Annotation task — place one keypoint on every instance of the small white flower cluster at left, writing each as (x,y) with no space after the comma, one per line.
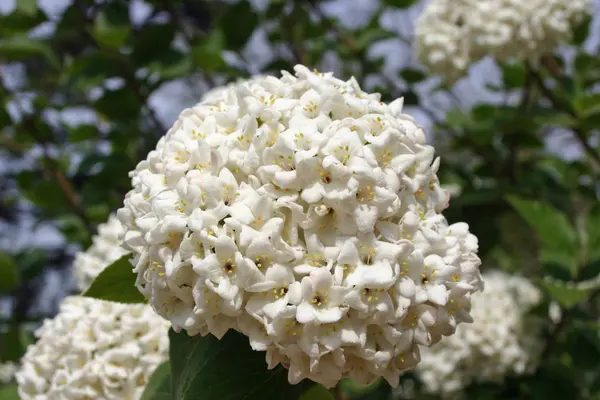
(7,371)
(94,350)
(451,35)
(306,214)
(105,249)
(502,340)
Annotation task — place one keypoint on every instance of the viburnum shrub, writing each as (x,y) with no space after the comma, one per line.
(306,214)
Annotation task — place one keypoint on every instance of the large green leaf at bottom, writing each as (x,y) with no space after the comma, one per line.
(206,368)
(159,386)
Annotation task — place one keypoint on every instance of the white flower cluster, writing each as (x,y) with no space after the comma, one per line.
(304,213)
(94,350)
(105,250)
(501,340)
(7,372)
(451,35)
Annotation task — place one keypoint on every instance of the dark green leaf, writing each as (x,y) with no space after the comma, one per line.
(238,24)
(171,64)
(151,41)
(159,386)
(121,104)
(513,75)
(93,68)
(411,98)
(317,392)
(27,7)
(11,346)
(366,38)
(9,392)
(112,26)
(566,293)
(207,54)
(17,23)
(588,105)
(17,48)
(116,283)
(400,3)
(9,274)
(593,234)
(582,31)
(355,391)
(412,75)
(205,368)
(84,132)
(557,236)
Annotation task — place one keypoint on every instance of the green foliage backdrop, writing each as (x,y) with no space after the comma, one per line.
(76,115)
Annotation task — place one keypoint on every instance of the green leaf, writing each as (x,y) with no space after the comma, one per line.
(112,26)
(93,68)
(557,236)
(83,132)
(566,293)
(365,39)
(171,64)
(355,390)
(159,386)
(9,392)
(206,368)
(207,53)
(151,41)
(400,3)
(12,347)
(588,105)
(116,283)
(317,392)
(27,7)
(9,274)
(238,24)
(412,75)
(121,104)
(19,47)
(513,75)
(582,31)
(593,234)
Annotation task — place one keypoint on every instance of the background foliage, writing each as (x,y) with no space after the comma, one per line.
(87,90)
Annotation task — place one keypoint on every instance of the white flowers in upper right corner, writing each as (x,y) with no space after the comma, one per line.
(501,341)
(451,35)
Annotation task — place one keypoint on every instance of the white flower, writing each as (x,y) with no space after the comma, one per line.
(96,349)
(304,213)
(502,340)
(7,371)
(453,34)
(104,251)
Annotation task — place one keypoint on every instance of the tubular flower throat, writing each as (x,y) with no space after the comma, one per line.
(306,214)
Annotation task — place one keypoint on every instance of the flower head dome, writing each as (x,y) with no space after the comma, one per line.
(304,213)
(104,251)
(94,349)
(501,341)
(451,35)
